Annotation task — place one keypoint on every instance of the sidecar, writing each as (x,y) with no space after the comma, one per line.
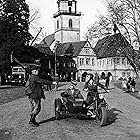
(96,110)
(70,107)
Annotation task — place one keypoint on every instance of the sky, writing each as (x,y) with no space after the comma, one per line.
(90,10)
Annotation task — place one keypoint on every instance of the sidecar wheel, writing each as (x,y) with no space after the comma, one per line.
(57,105)
(101,117)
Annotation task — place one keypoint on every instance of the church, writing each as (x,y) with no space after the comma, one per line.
(66,39)
(67,36)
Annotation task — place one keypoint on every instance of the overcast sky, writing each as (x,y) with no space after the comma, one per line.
(89,8)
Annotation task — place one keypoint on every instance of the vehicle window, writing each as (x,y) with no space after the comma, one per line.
(21,70)
(15,69)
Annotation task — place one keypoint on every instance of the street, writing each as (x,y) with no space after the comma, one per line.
(123,119)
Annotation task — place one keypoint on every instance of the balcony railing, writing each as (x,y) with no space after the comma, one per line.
(66,12)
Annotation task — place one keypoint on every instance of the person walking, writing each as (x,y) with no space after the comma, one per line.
(107,80)
(133,84)
(128,84)
(35,93)
(50,79)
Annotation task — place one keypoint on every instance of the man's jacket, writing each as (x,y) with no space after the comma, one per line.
(35,84)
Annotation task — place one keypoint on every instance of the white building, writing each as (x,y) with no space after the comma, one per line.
(106,56)
(111,52)
(67,21)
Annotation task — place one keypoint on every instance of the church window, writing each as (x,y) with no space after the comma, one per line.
(87,61)
(118,61)
(81,61)
(70,9)
(70,23)
(57,24)
(69,3)
(93,62)
(103,63)
(100,62)
(107,61)
(87,50)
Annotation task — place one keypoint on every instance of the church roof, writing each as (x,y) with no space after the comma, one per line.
(48,40)
(112,45)
(74,47)
(62,48)
(43,48)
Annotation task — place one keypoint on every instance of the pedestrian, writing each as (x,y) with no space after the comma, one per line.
(124,86)
(50,79)
(97,77)
(133,84)
(107,80)
(128,84)
(35,93)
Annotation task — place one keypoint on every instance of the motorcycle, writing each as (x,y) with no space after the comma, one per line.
(96,110)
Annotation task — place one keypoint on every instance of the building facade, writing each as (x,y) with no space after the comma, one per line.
(113,53)
(67,21)
(119,67)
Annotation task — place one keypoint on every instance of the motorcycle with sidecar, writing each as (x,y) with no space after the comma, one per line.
(78,106)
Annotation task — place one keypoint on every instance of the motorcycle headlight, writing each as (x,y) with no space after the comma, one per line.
(101,96)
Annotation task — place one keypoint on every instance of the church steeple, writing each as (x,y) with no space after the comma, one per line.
(67,7)
(67,21)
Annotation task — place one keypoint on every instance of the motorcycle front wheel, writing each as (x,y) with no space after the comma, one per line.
(101,116)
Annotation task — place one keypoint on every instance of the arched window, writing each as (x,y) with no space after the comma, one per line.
(70,23)
(57,24)
(70,9)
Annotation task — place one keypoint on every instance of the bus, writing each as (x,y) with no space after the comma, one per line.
(18,75)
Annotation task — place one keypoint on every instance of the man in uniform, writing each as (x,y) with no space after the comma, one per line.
(36,93)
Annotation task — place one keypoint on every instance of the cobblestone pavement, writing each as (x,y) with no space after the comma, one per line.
(123,122)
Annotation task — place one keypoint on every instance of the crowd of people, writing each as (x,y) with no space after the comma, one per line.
(129,84)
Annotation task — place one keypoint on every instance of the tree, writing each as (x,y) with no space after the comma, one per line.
(35,28)
(100,28)
(124,13)
(124,16)
(14,29)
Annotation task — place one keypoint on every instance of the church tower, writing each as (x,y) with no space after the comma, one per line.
(67,21)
